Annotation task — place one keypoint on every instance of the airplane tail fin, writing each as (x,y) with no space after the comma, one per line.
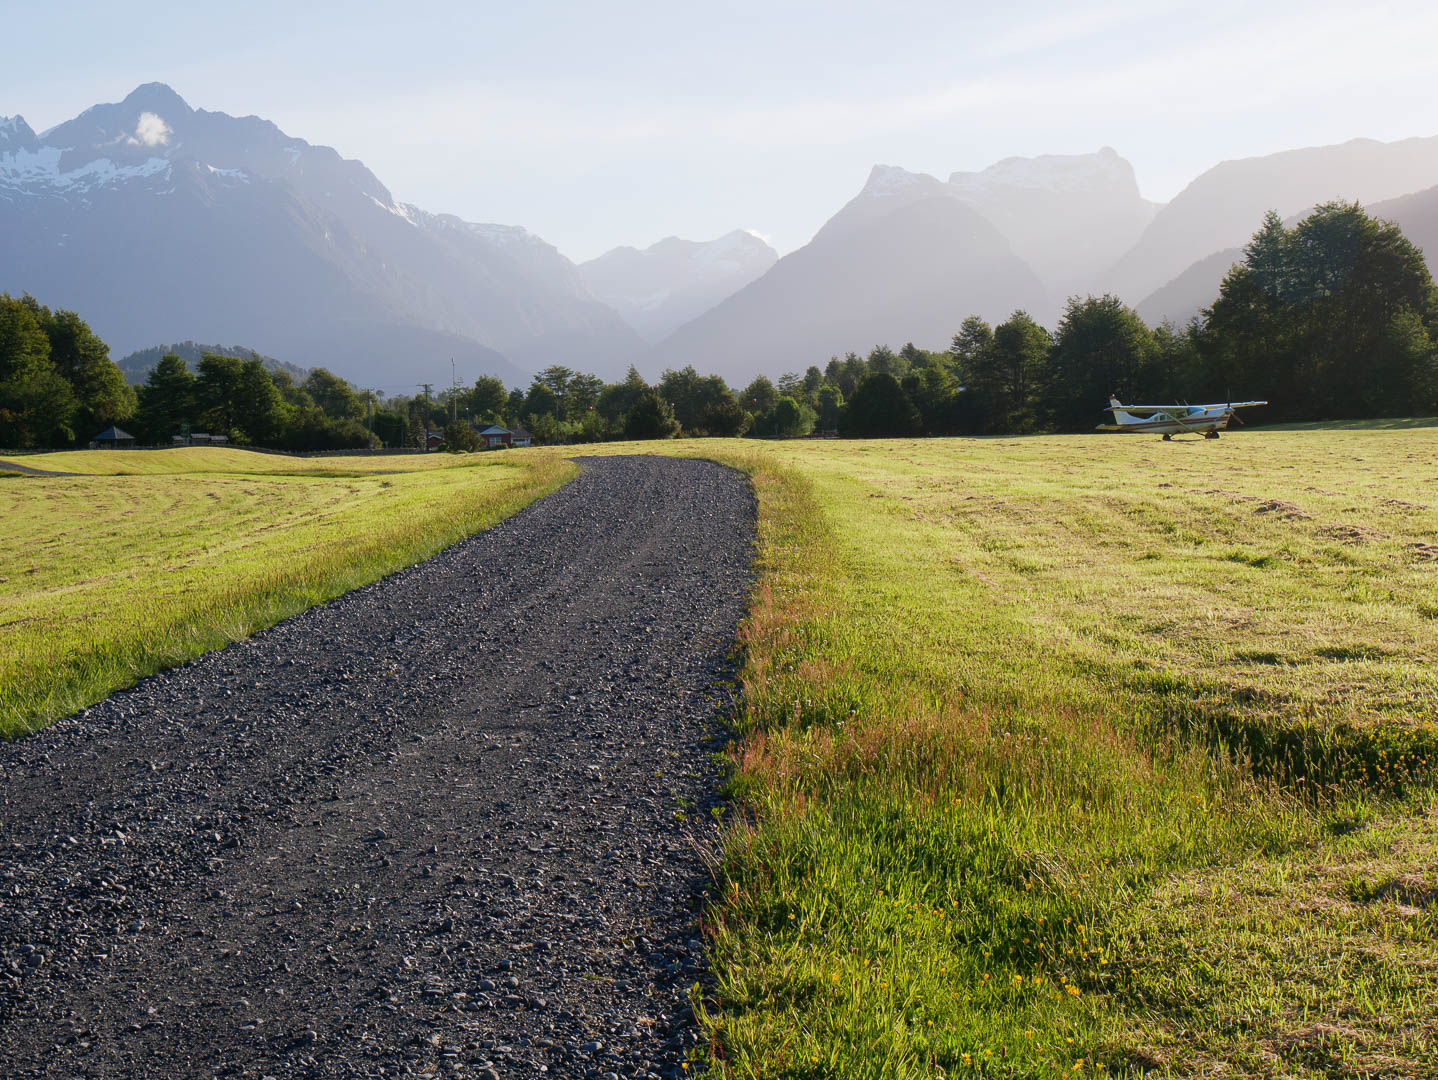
(1113,402)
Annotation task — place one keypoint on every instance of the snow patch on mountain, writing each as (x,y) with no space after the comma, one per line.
(403,211)
(503,235)
(1057,173)
(31,169)
(889,180)
(230,174)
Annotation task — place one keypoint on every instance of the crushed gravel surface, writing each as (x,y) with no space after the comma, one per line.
(455,823)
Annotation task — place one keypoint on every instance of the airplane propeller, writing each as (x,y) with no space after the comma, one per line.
(1232,412)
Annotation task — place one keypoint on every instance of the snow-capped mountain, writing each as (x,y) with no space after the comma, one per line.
(158,221)
(667,284)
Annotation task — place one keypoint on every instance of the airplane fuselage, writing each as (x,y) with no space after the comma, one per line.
(1167,420)
(1198,418)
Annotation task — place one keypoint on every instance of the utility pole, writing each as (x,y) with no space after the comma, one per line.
(424,435)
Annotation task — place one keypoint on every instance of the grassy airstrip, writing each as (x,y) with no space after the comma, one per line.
(161,555)
(1059,756)
(1081,756)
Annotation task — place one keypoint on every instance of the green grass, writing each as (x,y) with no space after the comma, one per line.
(1058,756)
(107,578)
(1085,756)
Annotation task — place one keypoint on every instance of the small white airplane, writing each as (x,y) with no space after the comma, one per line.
(1171,420)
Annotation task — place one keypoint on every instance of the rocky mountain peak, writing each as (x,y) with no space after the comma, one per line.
(673,280)
(15,134)
(158,99)
(1104,171)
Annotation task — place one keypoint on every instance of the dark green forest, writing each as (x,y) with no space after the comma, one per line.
(1334,318)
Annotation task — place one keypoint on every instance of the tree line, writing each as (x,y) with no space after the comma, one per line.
(1333,318)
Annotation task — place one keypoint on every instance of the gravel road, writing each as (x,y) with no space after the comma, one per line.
(455,823)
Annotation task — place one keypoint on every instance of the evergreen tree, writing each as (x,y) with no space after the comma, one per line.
(791,418)
(486,402)
(879,407)
(541,400)
(852,373)
(83,360)
(1101,347)
(1333,318)
(259,412)
(335,397)
(884,359)
(37,405)
(1005,378)
(514,407)
(974,339)
(460,437)
(759,397)
(216,387)
(691,395)
(725,417)
(813,380)
(935,392)
(167,400)
(616,401)
(651,418)
(831,404)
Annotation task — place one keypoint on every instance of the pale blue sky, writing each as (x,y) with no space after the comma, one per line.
(601,124)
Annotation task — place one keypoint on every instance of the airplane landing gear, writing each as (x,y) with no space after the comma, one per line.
(1210,434)
(1167,438)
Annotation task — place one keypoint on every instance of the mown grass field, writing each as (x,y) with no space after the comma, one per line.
(1058,757)
(107,578)
(1086,756)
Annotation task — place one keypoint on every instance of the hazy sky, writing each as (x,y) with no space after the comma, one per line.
(602,124)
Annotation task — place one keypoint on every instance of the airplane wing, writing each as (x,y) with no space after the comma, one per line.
(1177,409)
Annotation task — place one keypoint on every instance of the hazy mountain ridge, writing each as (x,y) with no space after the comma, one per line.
(1417,215)
(155,219)
(138,364)
(663,286)
(1196,288)
(1065,215)
(909,274)
(909,256)
(1224,206)
(1056,226)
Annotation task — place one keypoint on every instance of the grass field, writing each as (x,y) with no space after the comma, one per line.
(107,578)
(1082,756)
(1059,756)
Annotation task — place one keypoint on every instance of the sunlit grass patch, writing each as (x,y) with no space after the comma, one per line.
(107,578)
(1320,964)
(1008,702)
